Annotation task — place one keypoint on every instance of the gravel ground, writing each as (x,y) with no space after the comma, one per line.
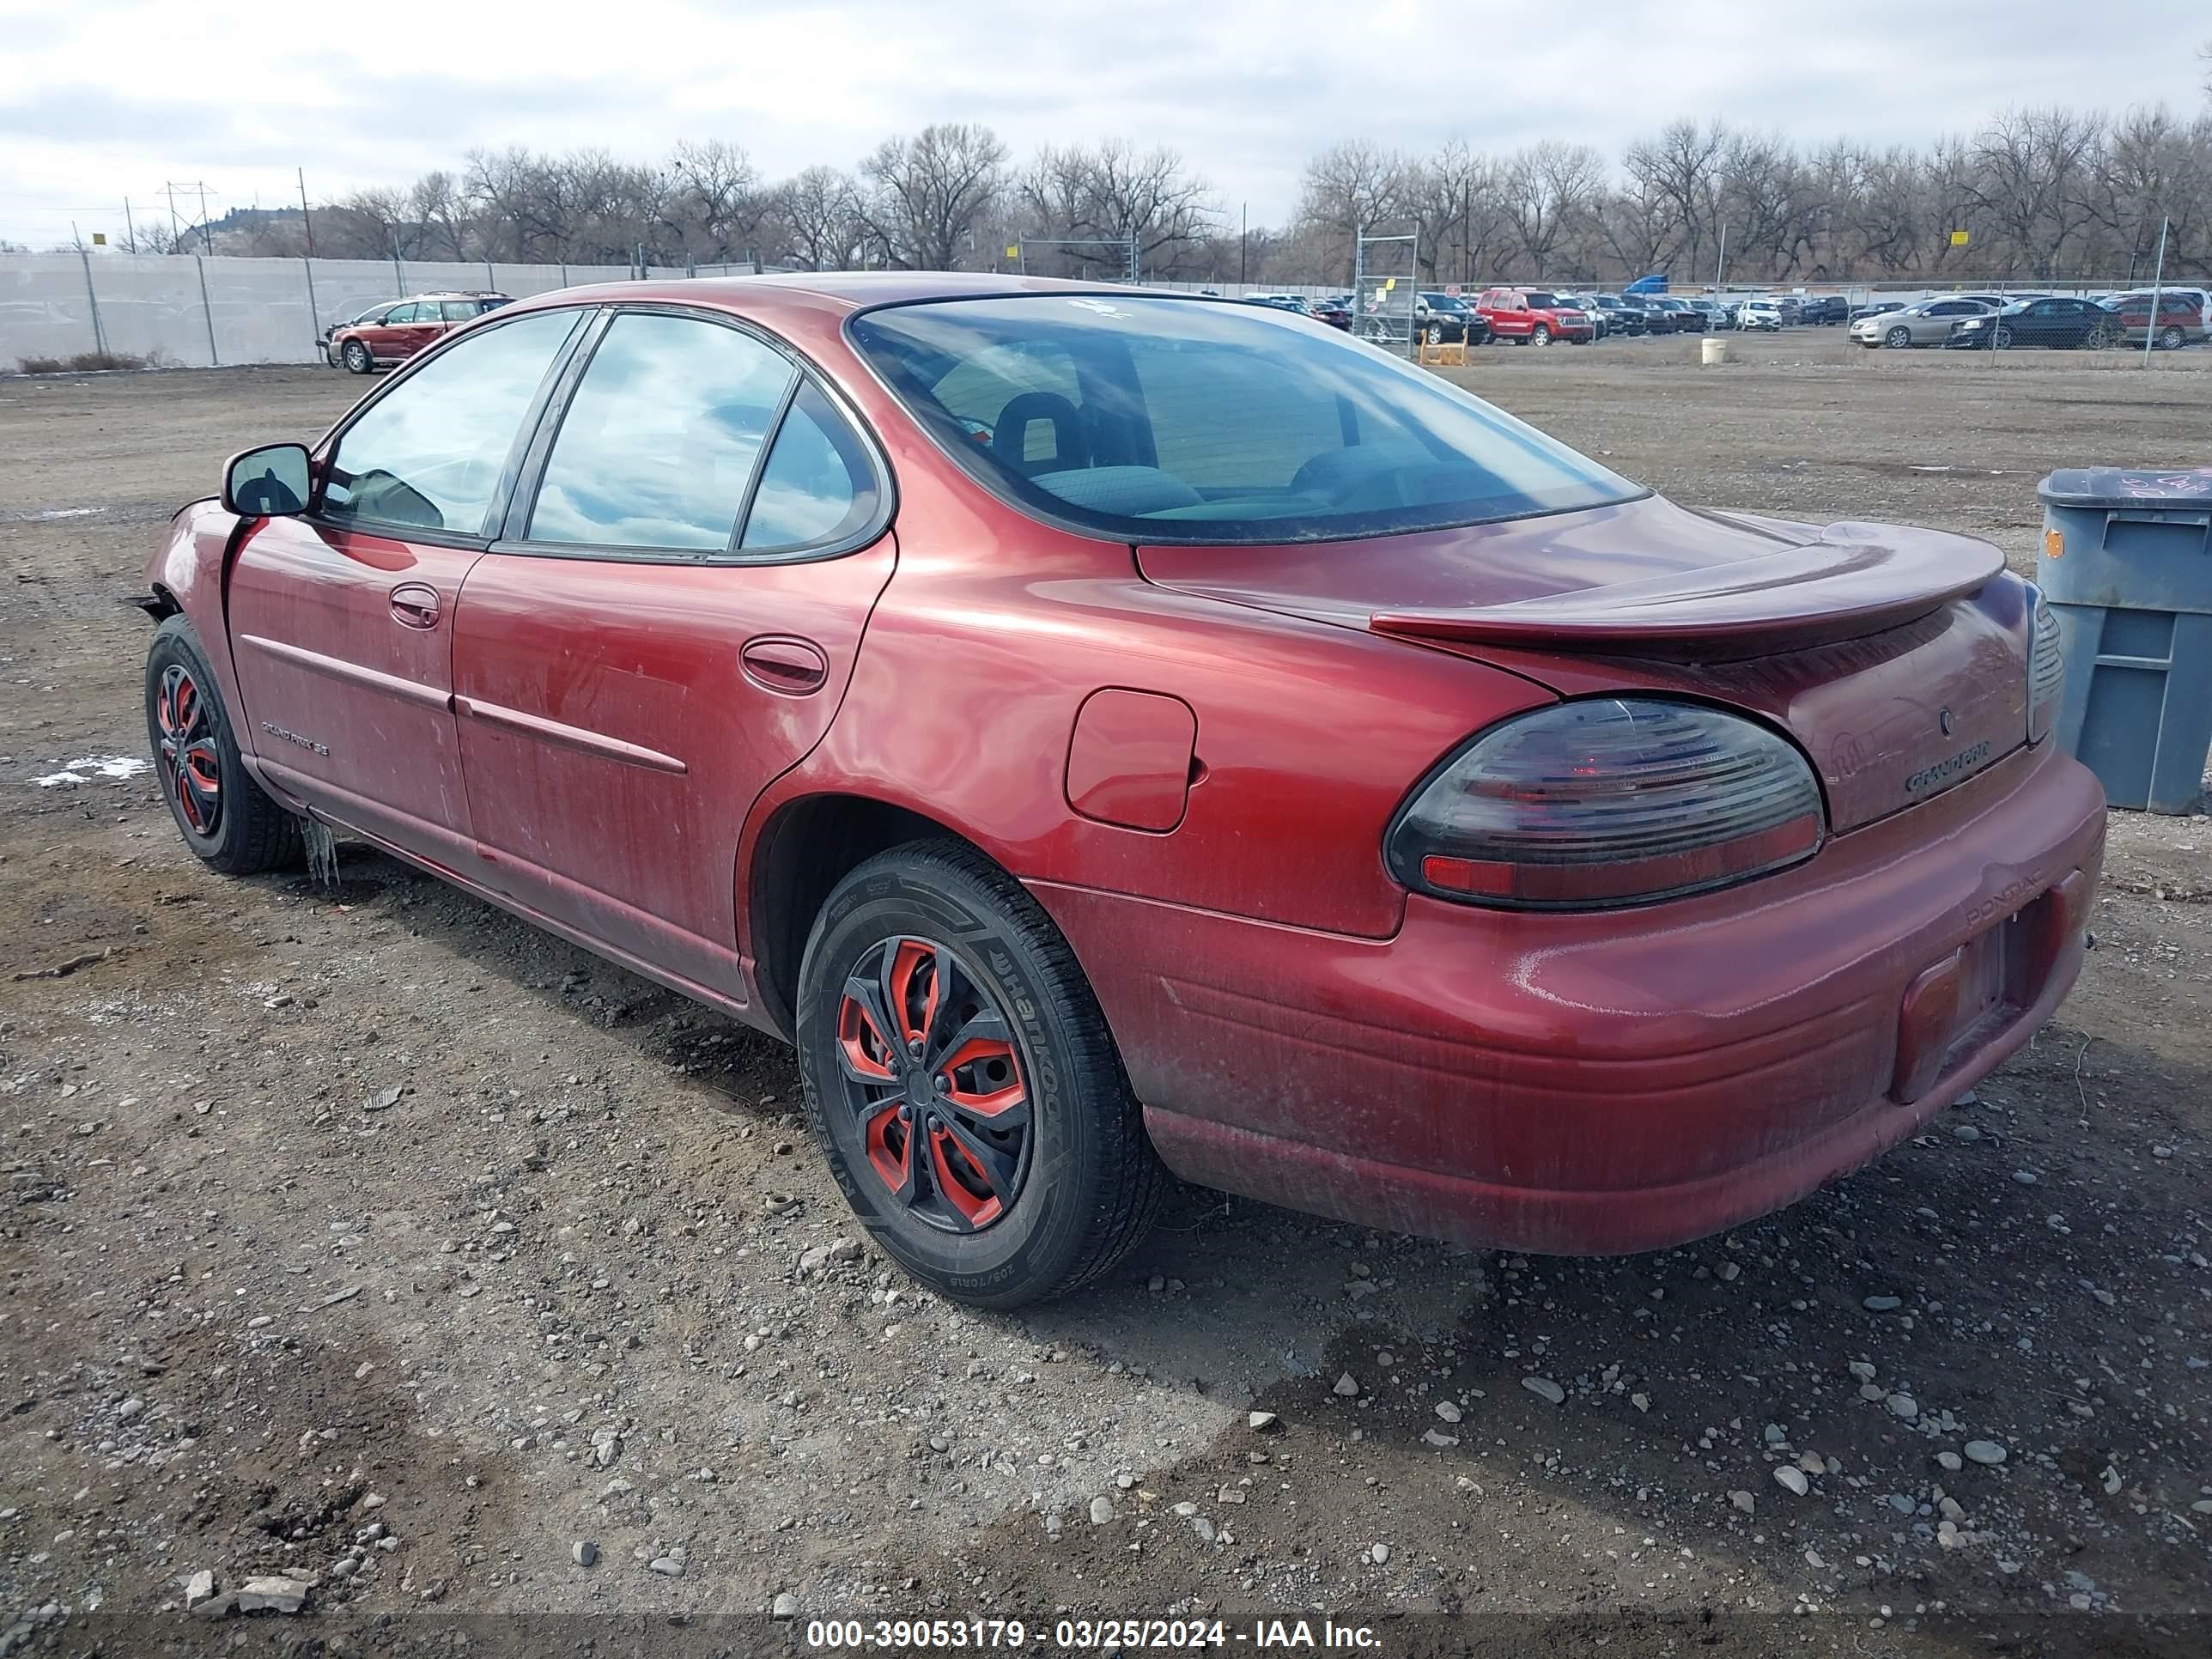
(393,1264)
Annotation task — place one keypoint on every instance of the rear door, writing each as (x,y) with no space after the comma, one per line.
(667,625)
(342,621)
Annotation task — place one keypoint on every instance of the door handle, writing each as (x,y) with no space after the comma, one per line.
(415,604)
(780,663)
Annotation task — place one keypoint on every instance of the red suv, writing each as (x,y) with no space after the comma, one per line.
(399,331)
(1113,733)
(1534,316)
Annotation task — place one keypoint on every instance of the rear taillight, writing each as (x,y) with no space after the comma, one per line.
(2046,672)
(1605,801)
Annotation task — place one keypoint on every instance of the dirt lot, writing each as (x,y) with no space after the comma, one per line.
(369,1235)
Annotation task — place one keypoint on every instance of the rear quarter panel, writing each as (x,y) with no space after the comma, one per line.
(995,629)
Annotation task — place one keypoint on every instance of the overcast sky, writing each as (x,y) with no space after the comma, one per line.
(117,97)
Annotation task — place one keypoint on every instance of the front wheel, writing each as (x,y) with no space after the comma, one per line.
(1898,338)
(2001,338)
(357,358)
(961,1081)
(1436,334)
(226,819)
(1540,335)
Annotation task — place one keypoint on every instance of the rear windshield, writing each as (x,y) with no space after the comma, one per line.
(1163,419)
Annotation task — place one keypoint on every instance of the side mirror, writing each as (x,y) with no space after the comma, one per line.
(270,481)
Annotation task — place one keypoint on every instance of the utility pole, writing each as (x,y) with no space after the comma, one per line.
(307,219)
(176,231)
(1244,242)
(207,231)
(129,231)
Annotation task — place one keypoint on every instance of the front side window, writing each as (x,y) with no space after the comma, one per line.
(1161,420)
(428,455)
(659,445)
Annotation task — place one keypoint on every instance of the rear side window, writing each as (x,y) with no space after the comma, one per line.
(1163,420)
(817,486)
(659,445)
(428,454)
(459,311)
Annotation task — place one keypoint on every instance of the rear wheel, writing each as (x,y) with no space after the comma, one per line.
(357,358)
(2169,339)
(226,817)
(961,1080)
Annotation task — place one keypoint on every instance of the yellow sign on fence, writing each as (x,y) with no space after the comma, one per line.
(1013,251)
(1958,238)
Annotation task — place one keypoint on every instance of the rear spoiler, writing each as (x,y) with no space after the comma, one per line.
(1815,593)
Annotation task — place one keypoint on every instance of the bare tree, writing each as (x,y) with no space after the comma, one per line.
(438,208)
(821,219)
(926,195)
(2035,173)
(1549,190)
(1350,189)
(1113,193)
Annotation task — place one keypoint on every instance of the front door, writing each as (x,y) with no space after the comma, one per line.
(668,628)
(340,622)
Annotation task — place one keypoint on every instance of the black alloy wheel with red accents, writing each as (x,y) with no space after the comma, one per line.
(228,819)
(185,750)
(931,1074)
(962,1082)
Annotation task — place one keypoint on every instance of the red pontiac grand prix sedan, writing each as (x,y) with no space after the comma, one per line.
(1114,734)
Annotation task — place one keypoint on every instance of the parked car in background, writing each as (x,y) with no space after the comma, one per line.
(1877,308)
(1668,315)
(1446,319)
(2060,323)
(2201,298)
(1622,316)
(1715,313)
(1337,313)
(1923,323)
(1295,302)
(1824,309)
(1759,316)
(407,328)
(1588,304)
(1534,316)
(2180,319)
(361,318)
(1104,758)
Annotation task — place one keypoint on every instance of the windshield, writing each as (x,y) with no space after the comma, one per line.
(1444,302)
(1163,419)
(1540,300)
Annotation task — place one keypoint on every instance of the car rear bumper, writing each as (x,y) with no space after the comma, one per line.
(1606,1082)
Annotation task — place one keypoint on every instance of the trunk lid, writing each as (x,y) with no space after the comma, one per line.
(1894,656)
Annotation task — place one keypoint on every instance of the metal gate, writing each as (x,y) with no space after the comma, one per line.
(1385,289)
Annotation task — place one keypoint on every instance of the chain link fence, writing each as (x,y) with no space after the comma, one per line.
(203,312)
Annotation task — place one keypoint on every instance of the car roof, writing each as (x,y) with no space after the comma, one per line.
(784,292)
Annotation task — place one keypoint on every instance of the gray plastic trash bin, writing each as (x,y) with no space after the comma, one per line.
(2127,567)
